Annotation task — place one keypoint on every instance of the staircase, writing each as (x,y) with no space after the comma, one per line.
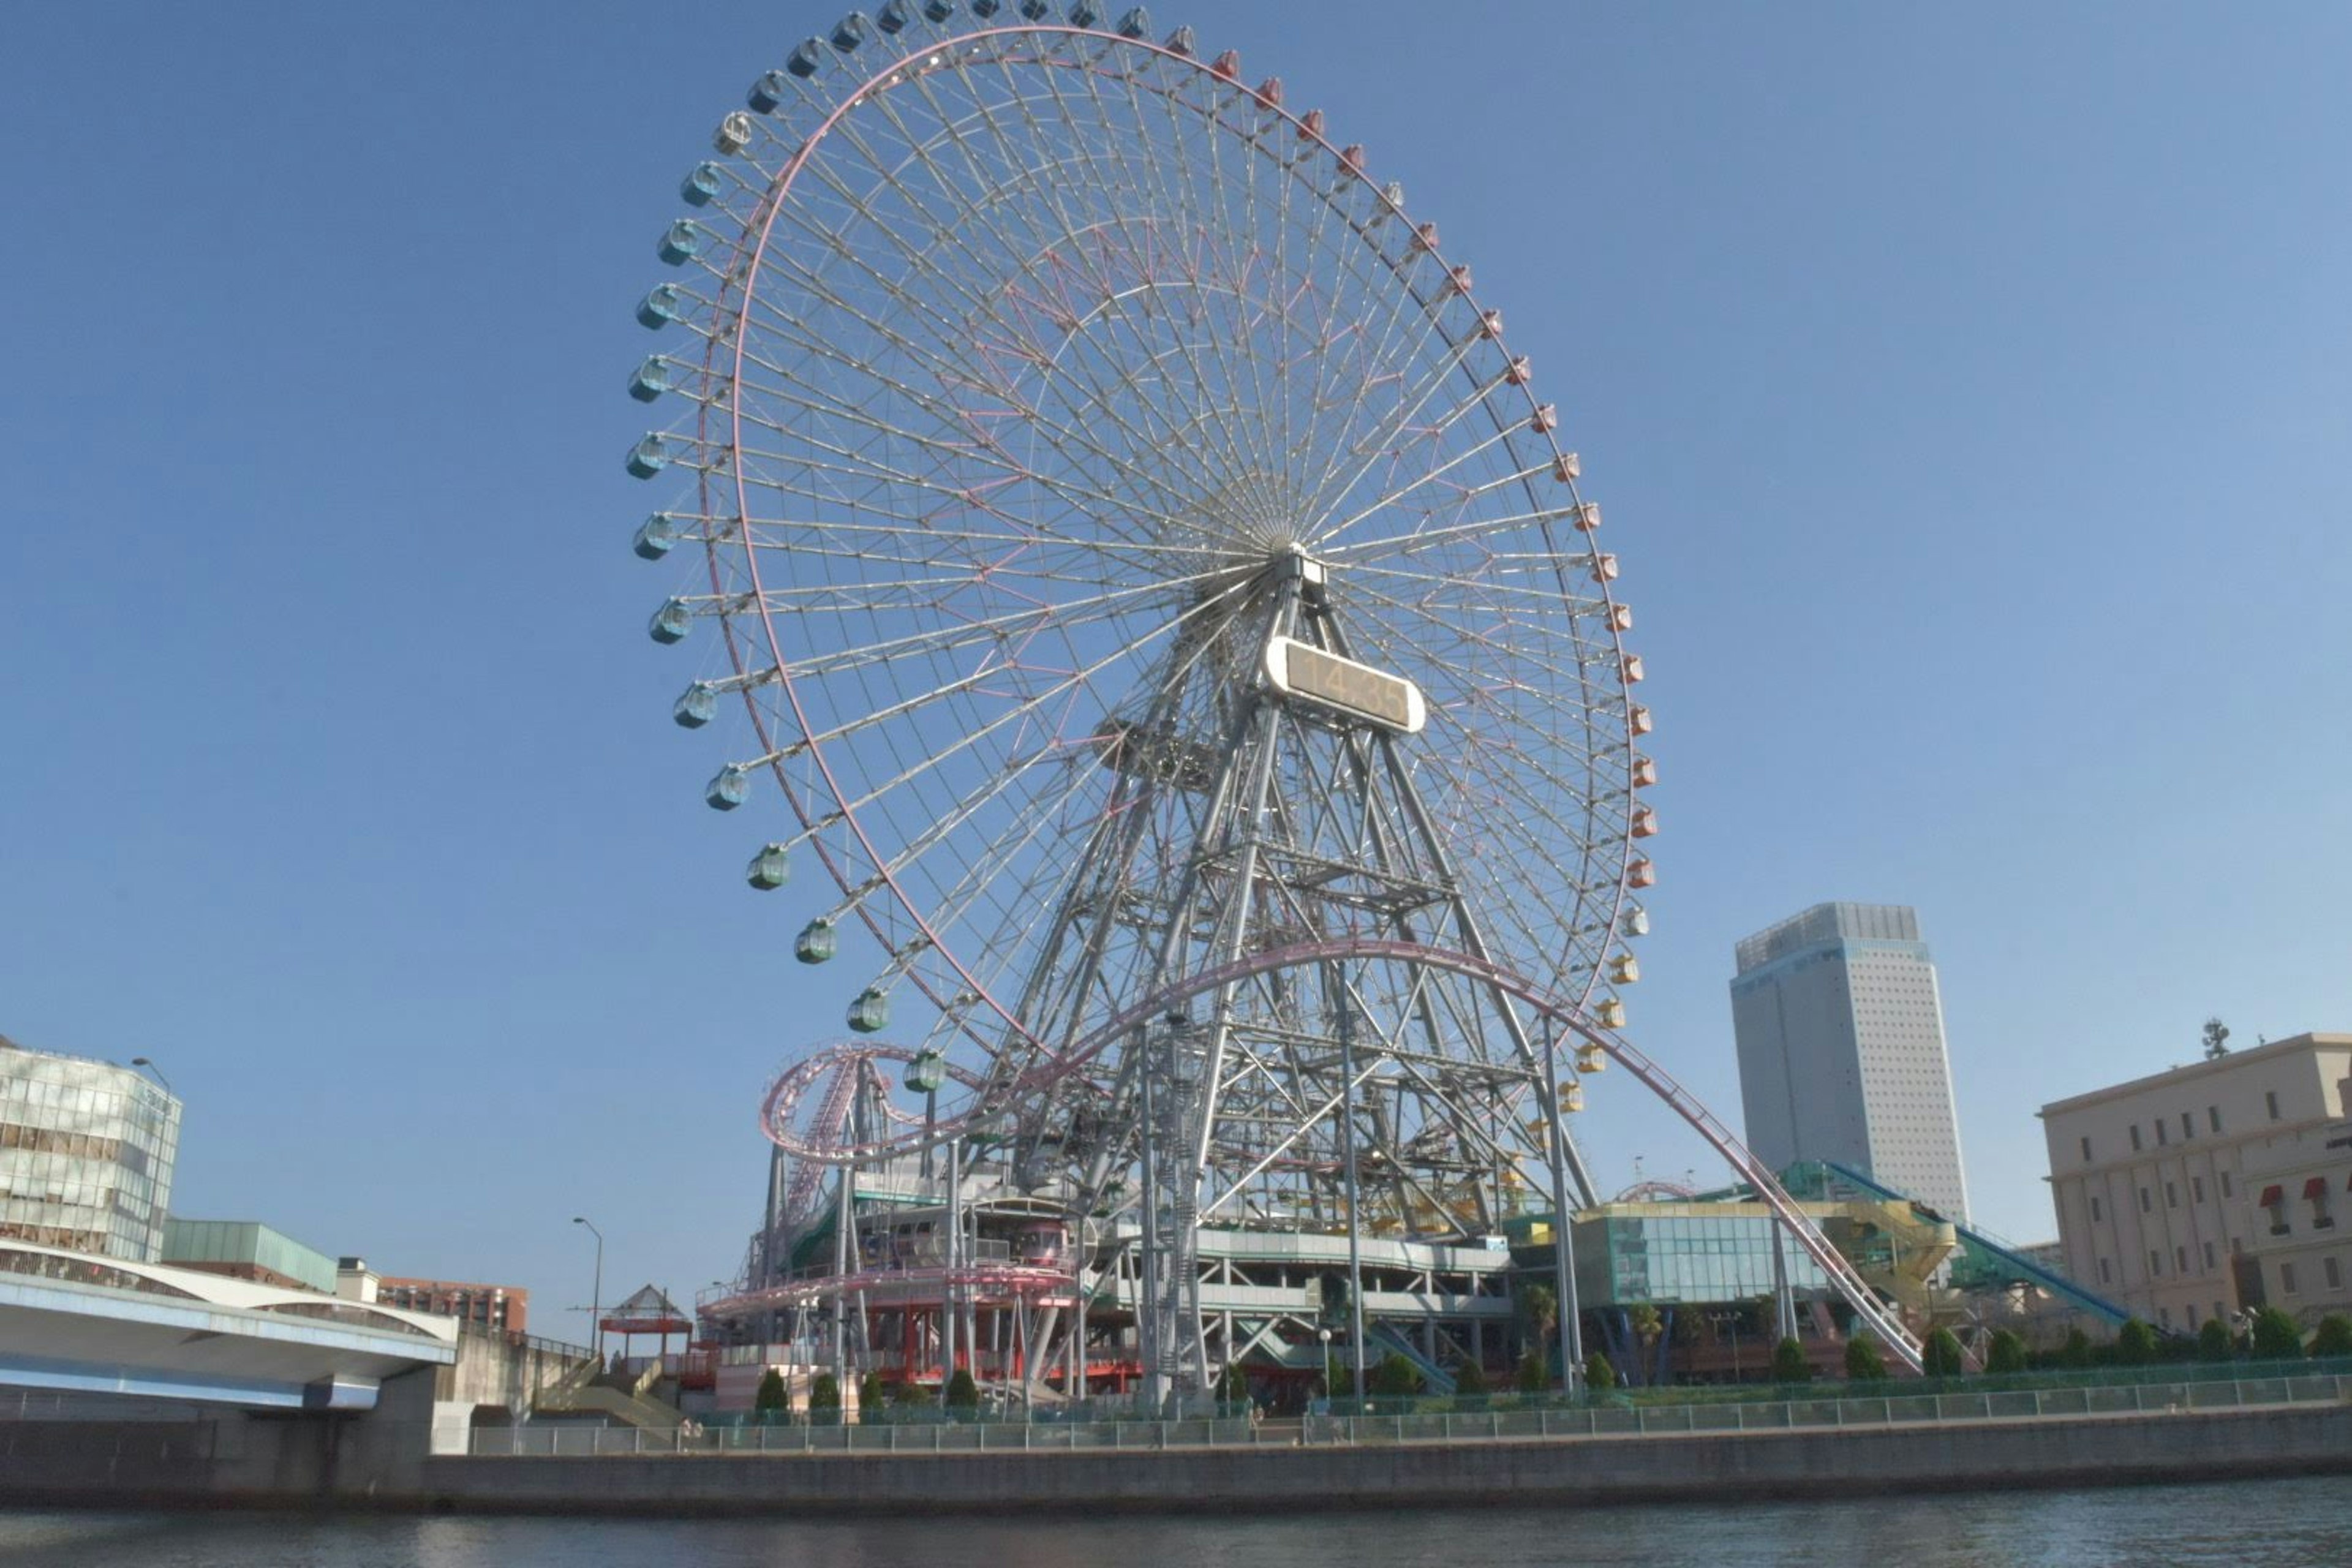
(622,1397)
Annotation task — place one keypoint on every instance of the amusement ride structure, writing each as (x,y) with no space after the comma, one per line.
(1160,599)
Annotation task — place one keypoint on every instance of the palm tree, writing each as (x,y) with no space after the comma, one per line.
(1542,1308)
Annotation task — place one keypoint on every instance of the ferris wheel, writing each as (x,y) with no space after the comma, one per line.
(1152,593)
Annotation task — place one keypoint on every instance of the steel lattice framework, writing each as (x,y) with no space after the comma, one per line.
(1163,605)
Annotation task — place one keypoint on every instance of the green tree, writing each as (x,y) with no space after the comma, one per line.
(1863,1362)
(825,1399)
(964,1394)
(1599,1377)
(2075,1352)
(1343,1379)
(2006,1352)
(1541,1306)
(1232,1385)
(1789,1364)
(770,1397)
(1941,1355)
(1470,1379)
(1534,1374)
(2335,1336)
(2135,1343)
(1393,1376)
(2277,1336)
(870,1396)
(2213,1341)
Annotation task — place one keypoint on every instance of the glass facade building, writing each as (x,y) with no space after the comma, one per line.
(1671,1254)
(86,1155)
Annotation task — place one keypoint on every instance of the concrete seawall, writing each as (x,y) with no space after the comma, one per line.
(1997,1455)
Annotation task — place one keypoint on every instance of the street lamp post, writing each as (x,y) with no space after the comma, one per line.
(1325,1335)
(596,1294)
(151,1067)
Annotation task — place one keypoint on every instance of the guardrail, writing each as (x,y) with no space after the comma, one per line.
(1594,1423)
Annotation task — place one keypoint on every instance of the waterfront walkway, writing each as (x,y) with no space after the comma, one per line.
(1588,1423)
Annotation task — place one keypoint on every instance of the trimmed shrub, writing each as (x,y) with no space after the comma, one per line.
(2075,1352)
(1941,1355)
(1533,1375)
(2277,1336)
(964,1394)
(1599,1375)
(1789,1364)
(1470,1379)
(824,1397)
(2213,1341)
(2136,1343)
(2335,1336)
(770,1397)
(870,1396)
(1863,1362)
(2006,1352)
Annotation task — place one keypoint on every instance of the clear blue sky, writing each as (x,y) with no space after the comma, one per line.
(1969,390)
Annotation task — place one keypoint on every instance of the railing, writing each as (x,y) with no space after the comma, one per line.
(1588,1423)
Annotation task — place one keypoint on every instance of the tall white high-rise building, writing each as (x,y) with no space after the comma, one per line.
(1841,1034)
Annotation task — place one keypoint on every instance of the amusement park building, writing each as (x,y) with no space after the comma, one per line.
(86,1155)
(1841,1034)
(2211,1189)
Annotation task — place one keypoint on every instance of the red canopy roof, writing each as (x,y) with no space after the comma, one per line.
(2315,1187)
(2273,1195)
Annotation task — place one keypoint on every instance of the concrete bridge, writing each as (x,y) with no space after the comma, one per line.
(85,1323)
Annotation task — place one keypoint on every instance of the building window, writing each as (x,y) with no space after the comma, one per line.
(2086,1150)
(2209,1255)
(2095,1216)
(2196,1189)
(2188,1130)
(2213,1115)
(2226,1190)
(2172,1195)
(2334,1275)
(2315,1190)
(2180,1259)
(2164,1316)
(2189,1311)
(2286,1278)
(2103,1272)
(2135,1133)
(2161,1136)
(2155,1263)
(2146,1206)
(2270,1102)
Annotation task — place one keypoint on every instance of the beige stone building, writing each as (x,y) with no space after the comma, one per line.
(2214,1188)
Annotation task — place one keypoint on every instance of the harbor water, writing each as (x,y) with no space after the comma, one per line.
(2291,1522)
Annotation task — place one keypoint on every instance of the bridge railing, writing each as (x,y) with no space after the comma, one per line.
(1591,1423)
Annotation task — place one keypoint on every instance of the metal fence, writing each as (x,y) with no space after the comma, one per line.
(1606,1422)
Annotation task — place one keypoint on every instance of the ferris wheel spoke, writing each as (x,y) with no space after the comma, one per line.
(1053,243)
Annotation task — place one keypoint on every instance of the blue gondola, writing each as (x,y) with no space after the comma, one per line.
(683,243)
(893,18)
(807,58)
(650,380)
(660,307)
(696,706)
(1084,13)
(700,187)
(671,622)
(648,457)
(1180,42)
(1035,10)
(766,95)
(870,1014)
(771,869)
(1136,24)
(939,10)
(729,787)
(654,536)
(851,31)
(815,944)
(984,9)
